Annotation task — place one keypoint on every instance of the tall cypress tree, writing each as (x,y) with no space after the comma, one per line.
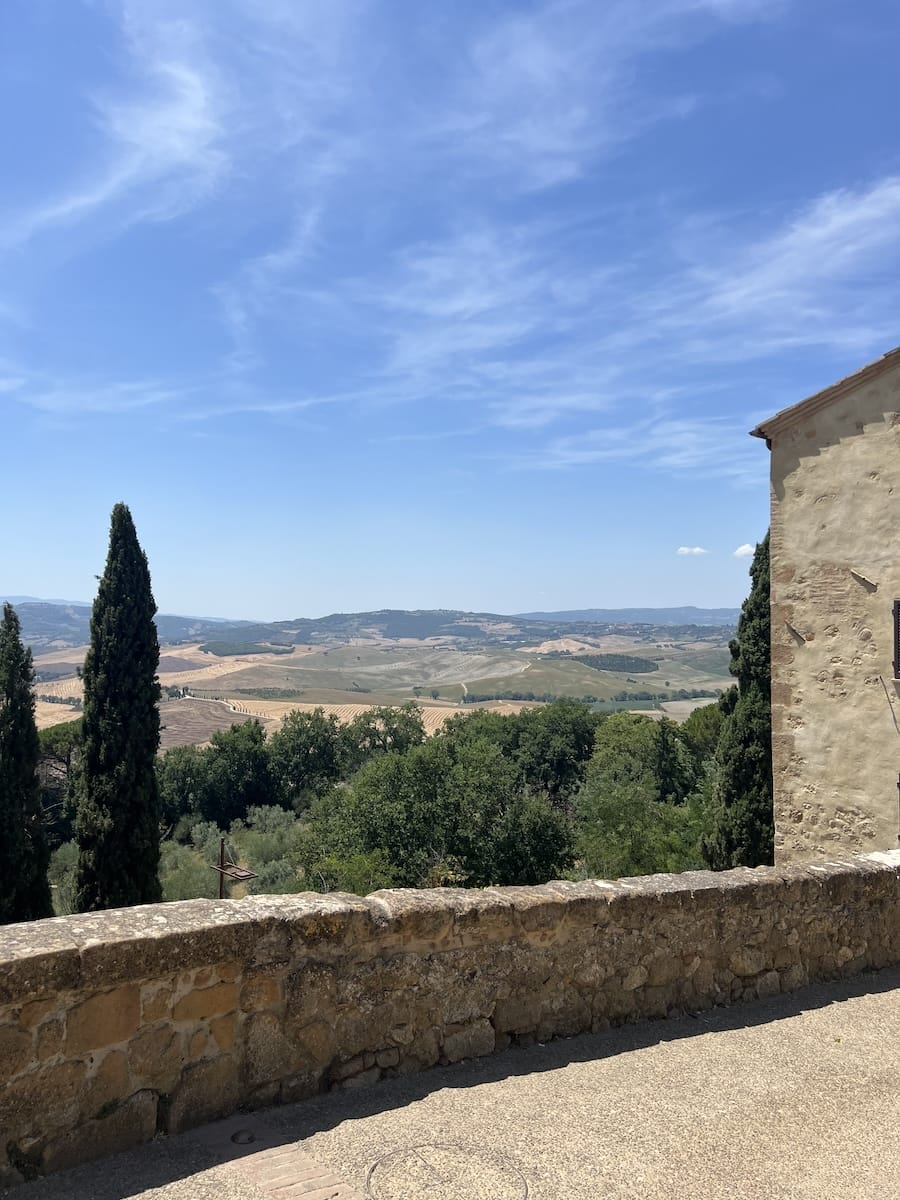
(118,815)
(24,891)
(744,830)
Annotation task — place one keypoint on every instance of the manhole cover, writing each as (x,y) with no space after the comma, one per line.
(445,1173)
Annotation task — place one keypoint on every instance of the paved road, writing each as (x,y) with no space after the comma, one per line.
(794,1098)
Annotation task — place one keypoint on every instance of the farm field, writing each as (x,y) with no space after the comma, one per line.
(46,714)
(348,676)
(190,722)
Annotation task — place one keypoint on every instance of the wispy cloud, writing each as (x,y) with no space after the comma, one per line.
(691,551)
(159,145)
(546,91)
(744,551)
(381,240)
(671,445)
(739,298)
(67,398)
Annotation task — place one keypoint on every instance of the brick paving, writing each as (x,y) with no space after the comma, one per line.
(281,1171)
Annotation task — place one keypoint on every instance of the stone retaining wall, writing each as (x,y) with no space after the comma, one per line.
(117,1025)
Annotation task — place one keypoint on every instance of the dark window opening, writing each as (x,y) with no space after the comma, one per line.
(897,639)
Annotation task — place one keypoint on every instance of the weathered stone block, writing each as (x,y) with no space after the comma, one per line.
(301,1086)
(516,1013)
(32,1014)
(103,1020)
(131,1122)
(665,969)
(472,1041)
(315,1044)
(748,960)
(206,1002)
(198,1043)
(156,1001)
(108,1085)
(424,1051)
(268,1054)
(16,1050)
(209,1089)
(262,990)
(224,1030)
(344,1070)
(41,1099)
(768,984)
(363,1079)
(157,1055)
(50,1038)
(38,959)
(635,977)
(310,990)
(358,1026)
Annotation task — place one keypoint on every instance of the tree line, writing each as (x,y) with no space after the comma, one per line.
(555,791)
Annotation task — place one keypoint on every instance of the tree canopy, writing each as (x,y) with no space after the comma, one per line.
(117,823)
(24,890)
(744,832)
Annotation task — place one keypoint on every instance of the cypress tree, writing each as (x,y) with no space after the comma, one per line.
(744,832)
(24,891)
(118,813)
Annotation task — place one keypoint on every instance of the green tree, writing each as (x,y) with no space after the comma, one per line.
(550,745)
(117,816)
(503,833)
(305,756)
(676,768)
(553,747)
(237,773)
(440,813)
(744,833)
(58,771)
(183,779)
(24,857)
(379,730)
(702,730)
(632,815)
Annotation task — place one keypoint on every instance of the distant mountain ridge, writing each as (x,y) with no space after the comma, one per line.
(42,600)
(687,615)
(46,625)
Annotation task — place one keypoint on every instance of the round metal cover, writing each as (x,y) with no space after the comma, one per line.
(440,1172)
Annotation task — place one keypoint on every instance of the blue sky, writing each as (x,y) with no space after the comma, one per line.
(396,304)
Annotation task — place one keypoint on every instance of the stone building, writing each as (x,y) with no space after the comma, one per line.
(835,571)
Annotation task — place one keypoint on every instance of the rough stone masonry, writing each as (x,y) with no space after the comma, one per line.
(117,1025)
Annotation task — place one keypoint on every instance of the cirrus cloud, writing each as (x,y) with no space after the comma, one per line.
(691,550)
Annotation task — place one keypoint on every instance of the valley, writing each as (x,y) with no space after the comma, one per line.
(444,662)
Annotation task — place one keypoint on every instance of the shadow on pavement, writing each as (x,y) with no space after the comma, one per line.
(324,1112)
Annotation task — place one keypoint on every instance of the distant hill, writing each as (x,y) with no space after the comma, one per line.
(42,600)
(47,625)
(641,616)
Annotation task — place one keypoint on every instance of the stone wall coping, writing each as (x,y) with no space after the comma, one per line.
(104,949)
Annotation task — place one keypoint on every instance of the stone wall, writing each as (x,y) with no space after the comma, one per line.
(835,573)
(117,1025)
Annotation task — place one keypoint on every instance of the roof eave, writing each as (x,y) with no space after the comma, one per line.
(804,408)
